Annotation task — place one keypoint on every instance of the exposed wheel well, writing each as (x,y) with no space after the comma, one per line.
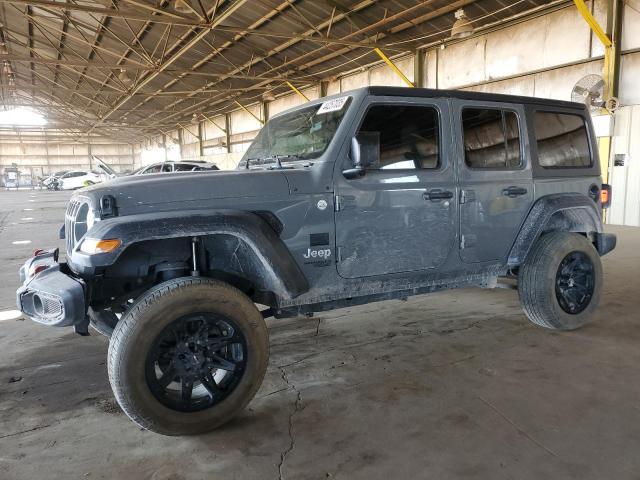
(575,220)
(147,263)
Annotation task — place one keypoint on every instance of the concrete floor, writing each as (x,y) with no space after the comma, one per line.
(451,385)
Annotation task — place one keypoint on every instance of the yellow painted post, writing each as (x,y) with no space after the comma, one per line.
(292,87)
(393,66)
(593,23)
(248,111)
(608,74)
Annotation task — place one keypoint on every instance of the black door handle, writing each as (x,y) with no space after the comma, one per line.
(514,191)
(435,195)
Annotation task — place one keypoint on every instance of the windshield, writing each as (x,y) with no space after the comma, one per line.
(303,134)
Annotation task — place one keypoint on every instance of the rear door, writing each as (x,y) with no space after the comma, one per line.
(401,215)
(495,181)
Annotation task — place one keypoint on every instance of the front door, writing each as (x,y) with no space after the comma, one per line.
(400,216)
(496,187)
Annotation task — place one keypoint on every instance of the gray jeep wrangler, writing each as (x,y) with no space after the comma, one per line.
(375,194)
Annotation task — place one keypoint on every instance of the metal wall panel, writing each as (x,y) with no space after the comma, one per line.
(516,86)
(354,81)
(211,131)
(631,25)
(629,80)
(462,63)
(625,177)
(541,43)
(242,122)
(559,83)
(292,100)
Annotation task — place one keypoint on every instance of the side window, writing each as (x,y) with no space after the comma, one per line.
(491,138)
(562,140)
(153,169)
(409,136)
(185,167)
(167,168)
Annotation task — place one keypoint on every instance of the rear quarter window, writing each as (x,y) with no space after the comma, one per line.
(562,140)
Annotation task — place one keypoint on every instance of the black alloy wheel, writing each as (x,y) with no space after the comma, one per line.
(575,282)
(196,362)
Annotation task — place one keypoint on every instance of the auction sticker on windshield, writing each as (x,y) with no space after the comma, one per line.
(332,105)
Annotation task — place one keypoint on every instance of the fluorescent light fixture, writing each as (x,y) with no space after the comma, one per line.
(21,117)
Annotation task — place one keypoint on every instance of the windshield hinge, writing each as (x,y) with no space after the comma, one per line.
(336,203)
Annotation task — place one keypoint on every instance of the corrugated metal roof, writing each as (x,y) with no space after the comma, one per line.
(133,67)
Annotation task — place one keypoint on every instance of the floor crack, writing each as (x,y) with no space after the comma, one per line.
(39,427)
(297,406)
(517,428)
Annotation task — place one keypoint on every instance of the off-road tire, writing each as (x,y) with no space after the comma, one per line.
(103,321)
(537,281)
(142,323)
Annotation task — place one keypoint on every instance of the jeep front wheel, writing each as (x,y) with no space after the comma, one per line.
(188,356)
(560,281)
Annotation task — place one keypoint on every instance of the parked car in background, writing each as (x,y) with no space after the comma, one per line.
(170,167)
(51,181)
(78,179)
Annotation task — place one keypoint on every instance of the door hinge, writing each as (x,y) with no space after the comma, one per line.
(338,254)
(467,196)
(336,203)
(468,241)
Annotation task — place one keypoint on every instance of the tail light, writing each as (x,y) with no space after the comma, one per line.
(605,195)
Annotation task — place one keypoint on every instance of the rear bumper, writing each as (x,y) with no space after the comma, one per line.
(605,242)
(53,296)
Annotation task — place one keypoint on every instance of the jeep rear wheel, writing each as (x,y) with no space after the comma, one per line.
(188,356)
(560,281)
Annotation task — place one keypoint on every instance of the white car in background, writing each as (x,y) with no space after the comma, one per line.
(78,178)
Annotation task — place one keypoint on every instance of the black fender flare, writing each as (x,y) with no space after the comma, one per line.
(280,270)
(573,212)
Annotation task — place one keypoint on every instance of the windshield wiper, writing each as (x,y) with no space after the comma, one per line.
(278,159)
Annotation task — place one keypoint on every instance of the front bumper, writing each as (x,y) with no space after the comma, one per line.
(52,296)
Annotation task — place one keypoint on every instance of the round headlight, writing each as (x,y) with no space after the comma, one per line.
(91,218)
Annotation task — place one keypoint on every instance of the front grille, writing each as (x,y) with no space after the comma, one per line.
(75,223)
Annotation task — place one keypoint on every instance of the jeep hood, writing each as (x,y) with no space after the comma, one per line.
(165,188)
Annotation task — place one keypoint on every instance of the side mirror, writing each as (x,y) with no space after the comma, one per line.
(365,153)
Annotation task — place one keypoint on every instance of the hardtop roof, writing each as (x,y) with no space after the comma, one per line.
(467,95)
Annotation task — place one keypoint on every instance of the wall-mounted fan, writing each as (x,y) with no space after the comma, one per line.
(590,91)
